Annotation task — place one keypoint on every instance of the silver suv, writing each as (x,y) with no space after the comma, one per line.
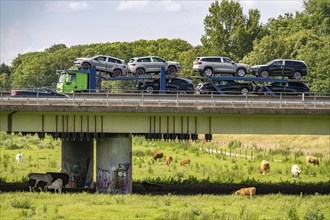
(207,66)
(152,64)
(114,66)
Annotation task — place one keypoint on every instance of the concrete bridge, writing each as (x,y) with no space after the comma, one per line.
(111,120)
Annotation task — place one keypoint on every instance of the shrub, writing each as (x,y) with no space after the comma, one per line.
(13,146)
(21,203)
(314,215)
(234,144)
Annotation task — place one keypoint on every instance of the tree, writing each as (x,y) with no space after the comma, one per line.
(55,47)
(228,32)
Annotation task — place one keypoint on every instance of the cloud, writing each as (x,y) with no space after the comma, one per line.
(149,6)
(66,6)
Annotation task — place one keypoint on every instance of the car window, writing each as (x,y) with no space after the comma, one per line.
(111,60)
(207,59)
(72,77)
(145,60)
(296,63)
(288,63)
(226,60)
(100,58)
(157,59)
(277,63)
(217,60)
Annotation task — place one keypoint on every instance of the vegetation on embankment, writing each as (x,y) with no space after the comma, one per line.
(100,206)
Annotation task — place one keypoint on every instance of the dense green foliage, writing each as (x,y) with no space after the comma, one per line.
(228,32)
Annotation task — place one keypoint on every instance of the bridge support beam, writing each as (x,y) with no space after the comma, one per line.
(77,162)
(114,164)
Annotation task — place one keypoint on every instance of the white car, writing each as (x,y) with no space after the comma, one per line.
(207,66)
(112,65)
(152,64)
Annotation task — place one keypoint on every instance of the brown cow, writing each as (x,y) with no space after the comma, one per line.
(184,162)
(311,159)
(157,155)
(248,191)
(264,167)
(168,160)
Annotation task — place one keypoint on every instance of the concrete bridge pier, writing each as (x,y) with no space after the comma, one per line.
(77,162)
(114,164)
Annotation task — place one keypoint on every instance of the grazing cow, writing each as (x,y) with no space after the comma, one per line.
(41,186)
(19,158)
(47,178)
(150,186)
(168,160)
(248,191)
(295,170)
(184,162)
(65,177)
(311,159)
(56,185)
(157,155)
(264,167)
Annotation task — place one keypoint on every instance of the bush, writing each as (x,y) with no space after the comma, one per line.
(314,215)
(13,146)
(234,144)
(21,203)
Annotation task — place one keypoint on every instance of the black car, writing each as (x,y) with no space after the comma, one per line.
(293,69)
(289,88)
(225,87)
(37,92)
(176,85)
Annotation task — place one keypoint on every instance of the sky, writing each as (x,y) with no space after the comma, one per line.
(28,26)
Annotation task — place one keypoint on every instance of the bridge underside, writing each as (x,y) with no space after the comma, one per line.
(85,126)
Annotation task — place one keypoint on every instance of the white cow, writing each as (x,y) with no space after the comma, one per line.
(295,170)
(19,158)
(47,178)
(56,185)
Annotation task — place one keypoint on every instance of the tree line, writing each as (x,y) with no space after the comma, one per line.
(228,32)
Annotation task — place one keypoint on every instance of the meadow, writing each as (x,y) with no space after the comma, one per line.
(238,165)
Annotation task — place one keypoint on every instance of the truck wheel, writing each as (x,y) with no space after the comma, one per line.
(264,74)
(116,73)
(171,70)
(140,72)
(241,72)
(85,66)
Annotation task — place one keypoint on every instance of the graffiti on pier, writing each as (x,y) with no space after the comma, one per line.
(120,180)
(80,176)
(103,179)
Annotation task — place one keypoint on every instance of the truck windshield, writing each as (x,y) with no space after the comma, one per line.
(62,78)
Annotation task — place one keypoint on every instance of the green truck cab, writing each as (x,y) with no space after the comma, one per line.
(72,81)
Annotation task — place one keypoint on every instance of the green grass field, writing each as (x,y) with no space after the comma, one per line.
(43,156)
(99,206)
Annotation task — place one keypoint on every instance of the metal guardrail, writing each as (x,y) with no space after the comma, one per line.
(310,101)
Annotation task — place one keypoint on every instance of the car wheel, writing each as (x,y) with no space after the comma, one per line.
(208,72)
(297,75)
(149,89)
(85,66)
(182,92)
(171,70)
(244,91)
(116,73)
(140,72)
(241,72)
(264,74)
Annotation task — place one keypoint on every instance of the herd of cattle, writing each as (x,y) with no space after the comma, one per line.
(58,181)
